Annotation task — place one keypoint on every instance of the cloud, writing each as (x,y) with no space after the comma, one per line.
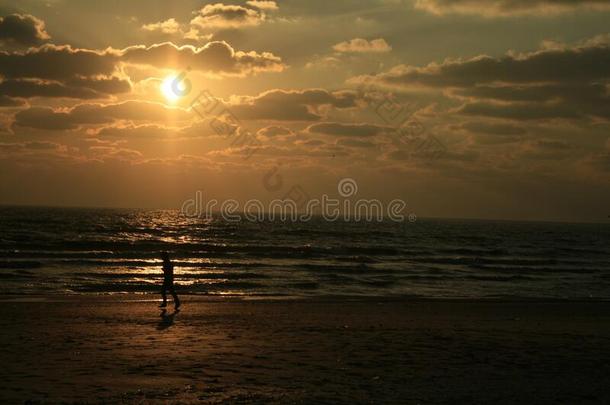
(559,82)
(550,144)
(575,64)
(493,128)
(170,26)
(275,132)
(601,161)
(520,111)
(221,16)
(75,88)
(47,118)
(36,146)
(426,157)
(63,71)
(294,105)
(44,118)
(545,149)
(359,45)
(215,17)
(11,147)
(64,62)
(217,57)
(23,29)
(193,34)
(121,131)
(102,85)
(262,4)
(355,143)
(58,62)
(493,8)
(131,131)
(492,132)
(6,101)
(324,62)
(535,92)
(43,145)
(294,152)
(115,153)
(36,88)
(351,130)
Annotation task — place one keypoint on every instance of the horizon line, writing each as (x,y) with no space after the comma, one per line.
(457,218)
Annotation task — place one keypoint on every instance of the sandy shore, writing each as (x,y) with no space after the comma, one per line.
(119,349)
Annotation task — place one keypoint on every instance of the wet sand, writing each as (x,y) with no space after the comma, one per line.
(120,349)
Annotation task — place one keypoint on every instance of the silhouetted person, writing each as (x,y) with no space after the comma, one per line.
(168,281)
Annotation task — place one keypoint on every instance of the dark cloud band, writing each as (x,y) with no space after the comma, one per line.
(491,8)
(23,29)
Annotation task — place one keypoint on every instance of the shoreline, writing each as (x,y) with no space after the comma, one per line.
(202,298)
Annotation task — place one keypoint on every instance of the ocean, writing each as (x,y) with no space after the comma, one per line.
(95,251)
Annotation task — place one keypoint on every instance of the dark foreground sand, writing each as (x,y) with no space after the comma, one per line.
(110,350)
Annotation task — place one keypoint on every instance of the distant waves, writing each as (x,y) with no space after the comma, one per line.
(112,251)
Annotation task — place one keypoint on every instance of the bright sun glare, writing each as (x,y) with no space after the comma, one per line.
(168,91)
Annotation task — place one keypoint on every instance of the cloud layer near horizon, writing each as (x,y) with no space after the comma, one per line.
(494,8)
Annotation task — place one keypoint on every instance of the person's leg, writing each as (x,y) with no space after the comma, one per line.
(173,292)
(164,295)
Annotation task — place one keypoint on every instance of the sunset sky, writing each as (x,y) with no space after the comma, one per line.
(292,96)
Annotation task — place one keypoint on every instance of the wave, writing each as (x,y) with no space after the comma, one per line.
(20,265)
(542,270)
(15,276)
(150,287)
(181,276)
(480,261)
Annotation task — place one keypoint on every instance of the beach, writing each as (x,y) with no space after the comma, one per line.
(119,349)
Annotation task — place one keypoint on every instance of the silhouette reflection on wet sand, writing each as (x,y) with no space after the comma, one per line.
(167,320)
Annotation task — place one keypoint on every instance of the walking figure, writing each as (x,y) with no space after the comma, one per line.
(168,281)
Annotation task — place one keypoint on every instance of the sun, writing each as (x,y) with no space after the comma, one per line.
(171,91)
